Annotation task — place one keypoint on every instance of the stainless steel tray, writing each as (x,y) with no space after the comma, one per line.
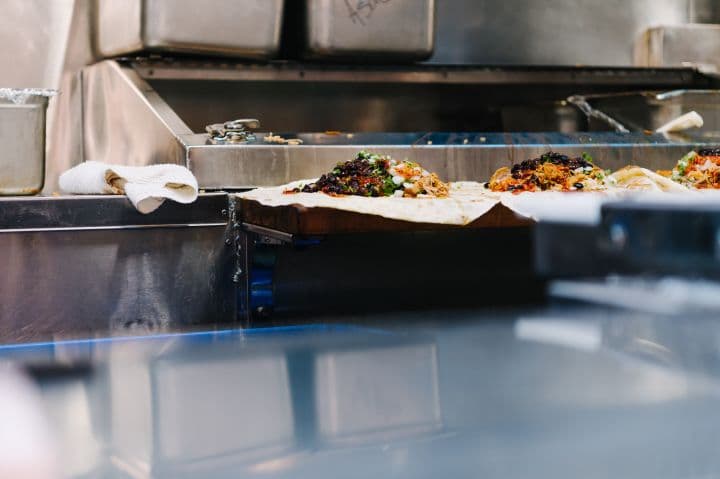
(649,110)
(379,28)
(241,28)
(22,141)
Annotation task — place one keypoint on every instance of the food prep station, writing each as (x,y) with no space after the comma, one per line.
(363,342)
(161,81)
(165,107)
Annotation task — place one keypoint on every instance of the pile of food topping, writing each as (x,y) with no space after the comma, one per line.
(551,171)
(698,169)
(375,175)
(277,139)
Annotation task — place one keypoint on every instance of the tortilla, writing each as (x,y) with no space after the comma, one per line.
(637,178)
(698,170)
(465,203)
(550,172)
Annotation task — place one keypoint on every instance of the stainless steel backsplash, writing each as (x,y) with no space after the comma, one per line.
(555,32)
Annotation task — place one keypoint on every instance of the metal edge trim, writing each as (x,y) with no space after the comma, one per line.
(272,233)
(111,227)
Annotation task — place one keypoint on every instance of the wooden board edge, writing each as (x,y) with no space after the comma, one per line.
(299,220)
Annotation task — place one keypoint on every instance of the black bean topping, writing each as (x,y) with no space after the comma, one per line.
(345,177)
(550,157)
(709,152)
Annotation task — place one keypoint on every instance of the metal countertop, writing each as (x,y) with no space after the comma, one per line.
(552,392)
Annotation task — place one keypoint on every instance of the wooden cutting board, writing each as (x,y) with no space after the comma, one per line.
(299,220)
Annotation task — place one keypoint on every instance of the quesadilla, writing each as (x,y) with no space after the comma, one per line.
(382,186)
(698,169)
(375,175)
(550,172)
(637,178)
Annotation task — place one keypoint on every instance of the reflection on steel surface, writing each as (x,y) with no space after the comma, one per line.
(72,418)
(661,296)
(220,408)
(653,384)
(584,336)
(383,394)
(509,406)
(263,407)
(27,446)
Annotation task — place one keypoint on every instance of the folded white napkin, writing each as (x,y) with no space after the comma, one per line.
(146,186)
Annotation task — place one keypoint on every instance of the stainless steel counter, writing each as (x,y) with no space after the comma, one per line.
(89,263)
(543,393)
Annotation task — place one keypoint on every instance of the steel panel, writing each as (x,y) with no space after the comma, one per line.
(80,265)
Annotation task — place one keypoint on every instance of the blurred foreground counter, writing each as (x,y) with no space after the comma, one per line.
(564,392)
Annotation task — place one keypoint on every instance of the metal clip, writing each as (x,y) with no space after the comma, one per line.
(231,132)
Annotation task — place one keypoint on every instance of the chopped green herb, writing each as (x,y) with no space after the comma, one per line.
(685,162)
(389,186)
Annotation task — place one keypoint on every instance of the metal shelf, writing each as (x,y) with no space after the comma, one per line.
(214,70)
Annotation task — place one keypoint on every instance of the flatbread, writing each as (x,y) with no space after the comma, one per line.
(469,200)
(465,203)
(637,178)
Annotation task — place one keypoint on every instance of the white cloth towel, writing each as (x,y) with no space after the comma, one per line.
(147,187)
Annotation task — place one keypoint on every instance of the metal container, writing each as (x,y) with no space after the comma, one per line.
(241,28)
(549,32)
(642,111)
(22,141)
(397,30)
(675,45)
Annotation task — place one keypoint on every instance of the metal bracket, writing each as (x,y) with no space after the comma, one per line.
(269,235)
(256,249)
